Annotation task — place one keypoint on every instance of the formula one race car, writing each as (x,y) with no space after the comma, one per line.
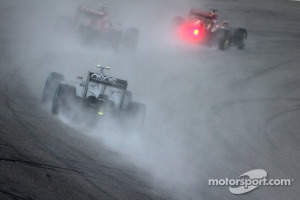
(98,97)
(93,25)
(205,28)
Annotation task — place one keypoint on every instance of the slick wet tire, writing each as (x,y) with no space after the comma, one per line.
(223,39)
(131,37)
(239,38)
(137,114)
(53,80)
(115,39)
(62,97)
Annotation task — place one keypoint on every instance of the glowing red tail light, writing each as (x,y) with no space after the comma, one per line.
(188,32)
(196,32)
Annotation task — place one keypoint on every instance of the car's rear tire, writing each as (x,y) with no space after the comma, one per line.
(223,39)
(131,37)
(127,99)
(63,96)
(53,80)
(115,39)
(136,114)
(86,35)
(239,38)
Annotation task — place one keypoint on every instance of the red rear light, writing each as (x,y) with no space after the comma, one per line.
(190,33)
(196,32)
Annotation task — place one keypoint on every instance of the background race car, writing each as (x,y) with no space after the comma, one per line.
(98,98)
(93,25)
(205,28)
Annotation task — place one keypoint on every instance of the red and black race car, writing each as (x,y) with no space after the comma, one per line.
(94,26)
(205,28)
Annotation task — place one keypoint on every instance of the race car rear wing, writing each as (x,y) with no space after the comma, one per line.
(86,10)
(207,15)
(107,80)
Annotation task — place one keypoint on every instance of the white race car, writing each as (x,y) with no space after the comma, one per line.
(98,96)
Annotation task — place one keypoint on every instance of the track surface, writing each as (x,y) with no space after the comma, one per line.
(220,113)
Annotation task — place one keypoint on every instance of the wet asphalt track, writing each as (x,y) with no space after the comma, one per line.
(240,112)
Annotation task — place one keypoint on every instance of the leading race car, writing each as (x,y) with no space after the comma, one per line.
(93,25)
(97,98)
(205,28)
